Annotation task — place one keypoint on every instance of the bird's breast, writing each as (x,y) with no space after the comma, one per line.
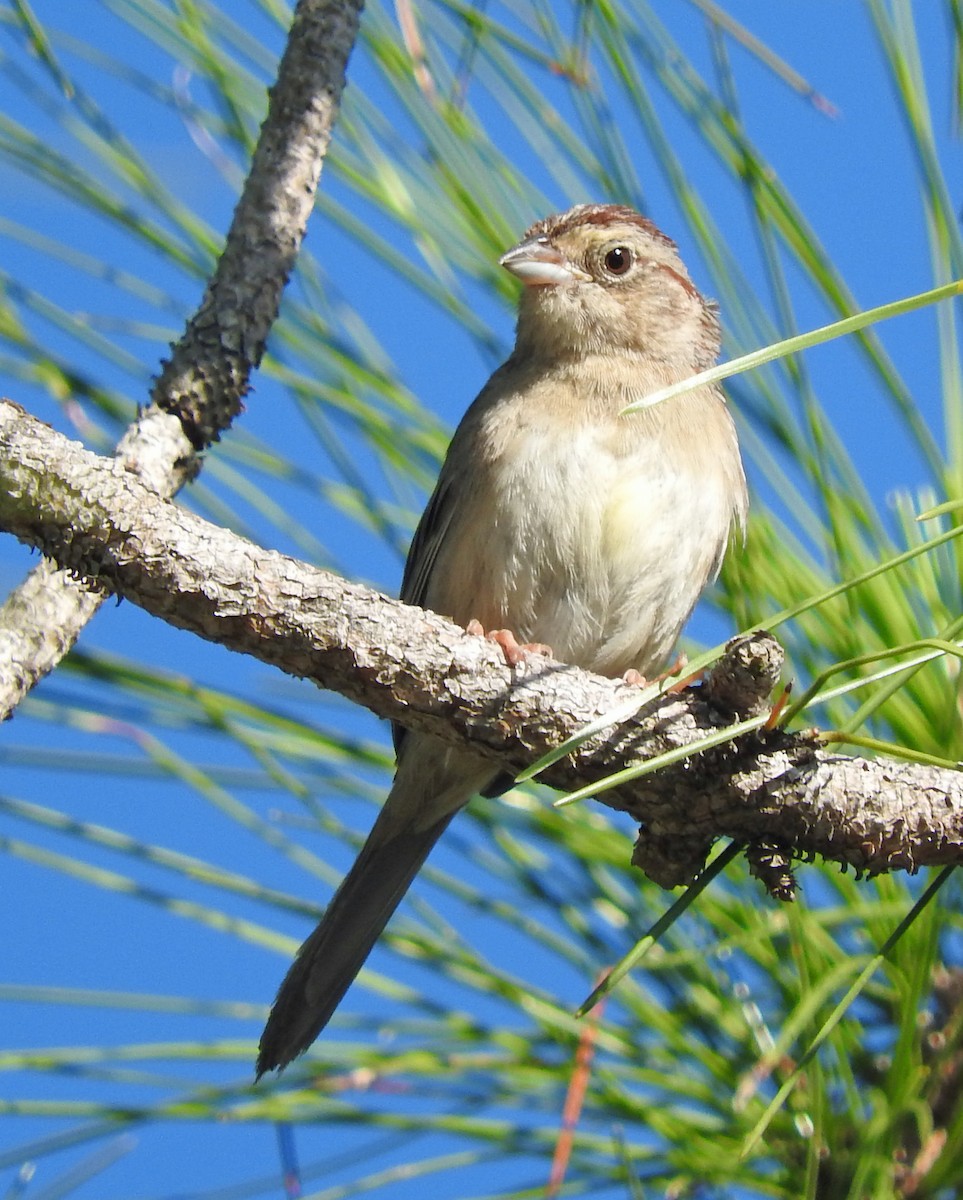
(595,547)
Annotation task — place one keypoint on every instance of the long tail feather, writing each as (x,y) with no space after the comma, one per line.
(333,955)
(431,785)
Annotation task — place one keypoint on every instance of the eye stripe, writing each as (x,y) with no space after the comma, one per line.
(687,285)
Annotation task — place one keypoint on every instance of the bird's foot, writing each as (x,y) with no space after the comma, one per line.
(677,668)
(636,679)
(514,651)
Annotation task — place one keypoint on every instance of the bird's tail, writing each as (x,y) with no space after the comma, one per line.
(325,966)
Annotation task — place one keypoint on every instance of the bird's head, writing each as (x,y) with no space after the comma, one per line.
(603,279)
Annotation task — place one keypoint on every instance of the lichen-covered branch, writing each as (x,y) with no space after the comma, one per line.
(778,792)
(200,388)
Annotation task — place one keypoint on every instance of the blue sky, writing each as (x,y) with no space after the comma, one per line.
(854,178)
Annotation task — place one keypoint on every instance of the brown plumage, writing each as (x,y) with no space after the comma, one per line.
(556,518)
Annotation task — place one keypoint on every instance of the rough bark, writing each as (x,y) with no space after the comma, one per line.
(201,386)
(782,794)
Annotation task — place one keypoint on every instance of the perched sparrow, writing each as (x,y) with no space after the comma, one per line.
(556,518)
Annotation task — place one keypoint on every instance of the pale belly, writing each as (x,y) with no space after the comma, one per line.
(601,556)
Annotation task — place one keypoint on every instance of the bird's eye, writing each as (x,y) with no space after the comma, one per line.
(618,260)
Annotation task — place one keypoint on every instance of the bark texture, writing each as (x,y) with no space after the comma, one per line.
(200,389)
(782,794)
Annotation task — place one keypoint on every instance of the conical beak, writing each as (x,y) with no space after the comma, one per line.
(537,263)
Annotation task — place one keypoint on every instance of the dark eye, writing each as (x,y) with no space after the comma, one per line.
(618,260)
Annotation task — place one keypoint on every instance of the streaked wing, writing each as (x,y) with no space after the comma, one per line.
(429,537)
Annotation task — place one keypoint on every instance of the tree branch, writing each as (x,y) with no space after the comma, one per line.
(778,792)
(207,375)
(200,388)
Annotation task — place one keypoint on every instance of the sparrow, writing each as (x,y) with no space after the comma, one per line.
(556,521)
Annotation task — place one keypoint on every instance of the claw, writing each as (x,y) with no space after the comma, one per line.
(514,651)
(635,678)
